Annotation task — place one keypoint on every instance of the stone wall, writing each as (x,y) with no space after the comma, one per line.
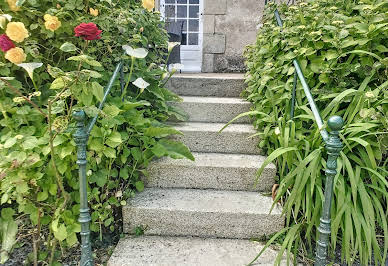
(229,25)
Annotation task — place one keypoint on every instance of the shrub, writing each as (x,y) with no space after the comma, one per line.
(341,47)
(38,173)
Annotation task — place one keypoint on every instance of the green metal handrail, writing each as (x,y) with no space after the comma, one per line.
(333,146)
(81,137)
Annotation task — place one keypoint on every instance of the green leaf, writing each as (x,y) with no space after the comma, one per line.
(109,152)
(136,153)
(98,91)
(9,229)
(60,233)
(86,59)
(72,240)
(20,2)
(159,150)
(57,84)
(176,150)
(114,139)
(111,110)
(42,196)
(9,143)
(161,132)
(53,189)
(7,214)
(68,47)
(66,151)
(275,154)
(139,186)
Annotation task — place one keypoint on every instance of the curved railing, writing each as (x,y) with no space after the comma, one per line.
(81,137)
(333,146)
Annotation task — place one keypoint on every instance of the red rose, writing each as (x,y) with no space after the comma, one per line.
(5,43)
(88,31)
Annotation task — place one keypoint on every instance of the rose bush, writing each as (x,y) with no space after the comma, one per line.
(63,55)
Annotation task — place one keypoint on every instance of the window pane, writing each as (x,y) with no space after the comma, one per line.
(182,12)
(184,39)
(182,1)
(184,28)
(194,12)
(193,25)
(170,1)
(170,11)
(193,39)
(194,1)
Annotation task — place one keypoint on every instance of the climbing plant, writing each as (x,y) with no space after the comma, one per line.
(342,50)
(57,57)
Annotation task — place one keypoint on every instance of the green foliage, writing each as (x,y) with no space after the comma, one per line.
(341,47)
(38,172)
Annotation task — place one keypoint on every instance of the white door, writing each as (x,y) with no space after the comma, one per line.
(190,13)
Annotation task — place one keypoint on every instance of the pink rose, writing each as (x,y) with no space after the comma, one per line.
(6,43)
(88,31)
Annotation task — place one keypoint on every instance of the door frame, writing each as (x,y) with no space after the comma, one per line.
(189,48)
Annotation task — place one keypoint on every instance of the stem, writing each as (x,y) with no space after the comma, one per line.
(36,87)
(129,78)
(51,143)
(35,240)
(52,255)
(24,97)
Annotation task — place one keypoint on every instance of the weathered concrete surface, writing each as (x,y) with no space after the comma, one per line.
(203,213)
(239,24)
(189,251)
(214,43)
(205,137)
(207,84)
(212,171)
(208,24)
(215,7)
(214,109)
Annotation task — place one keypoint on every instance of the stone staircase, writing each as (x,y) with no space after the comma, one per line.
(204,212)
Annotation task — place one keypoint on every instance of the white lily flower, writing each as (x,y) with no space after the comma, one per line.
(137,53)
(3,20)
(177,66)
(141,83)
(30,67)
(277,131)
(171,45)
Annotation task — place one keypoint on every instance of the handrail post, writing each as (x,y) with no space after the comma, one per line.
(333,147)
(81,139)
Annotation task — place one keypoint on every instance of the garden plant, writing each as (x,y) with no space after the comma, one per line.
(342,49)
(57,57)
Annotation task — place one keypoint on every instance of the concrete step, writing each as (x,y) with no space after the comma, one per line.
(214,109)
(188,251)
(202,213)
(204,137)
(212,171)
(207,84)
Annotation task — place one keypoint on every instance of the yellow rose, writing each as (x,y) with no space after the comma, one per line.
(52,22)
(12,5)
(93,12)
(15,55)
(16,31)
(149,4)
